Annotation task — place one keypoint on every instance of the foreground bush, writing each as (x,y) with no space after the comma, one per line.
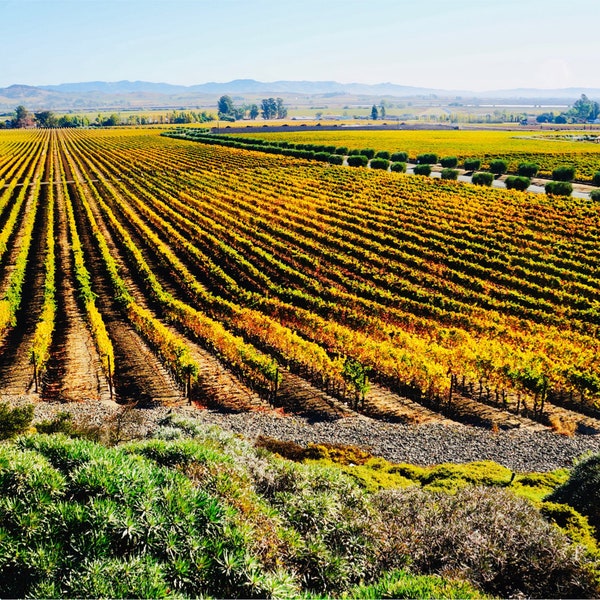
(582,490)
(398,167)
(422,170)
(487,536)
(527,169)
(517,183)
(428,158)
(449,162)
(451,174)
(563,173)
(358,160)
(559,188)
(81,520)
(498,166)
(595,195)
(380,163)
(14,421)
(482,178)
(399,157)
(472,164)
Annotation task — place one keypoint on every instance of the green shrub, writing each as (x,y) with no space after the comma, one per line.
(559,188)
(498,166)
(14,421)
(595,195)
(515,182)
(322,156)
(482,178)
(341,150)
(427,158)
(450,174)
(358,160)
(527,169)
(472,164)
(487,536)
(354,152)
(398,167)
(399,157)
(574,524)
(380,163)
(401,584)
(563,173)
(336,159)
(383,154)
(422,170)
(368,152)
(582,490)
(449,162)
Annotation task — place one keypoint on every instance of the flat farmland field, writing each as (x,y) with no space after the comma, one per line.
(159,270)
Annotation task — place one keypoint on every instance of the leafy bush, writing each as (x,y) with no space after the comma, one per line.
(322,156)
(498,166)
(527,169)
(595,195)
(582,490)
(368,152)
(398,167)
(517,183)
(336,159)
(380,163)
(563,173)
(401,584)
(14,421)
(98,521)
(358,160)
(341,150)
(450,174)
(486,536)
(559,188)
(449,162)
(428,158)
(399,157)
(422,170)
(383,154)
(472,164)
(482,178)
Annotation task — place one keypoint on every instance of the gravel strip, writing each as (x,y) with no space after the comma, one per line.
(427,444)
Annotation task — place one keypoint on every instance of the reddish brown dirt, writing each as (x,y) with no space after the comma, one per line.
(74,372)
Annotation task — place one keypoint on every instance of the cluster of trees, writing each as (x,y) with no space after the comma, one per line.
(270,108)
(583,110)
(378,112)
(46,119)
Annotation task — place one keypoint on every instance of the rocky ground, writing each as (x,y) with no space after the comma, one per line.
(433,443)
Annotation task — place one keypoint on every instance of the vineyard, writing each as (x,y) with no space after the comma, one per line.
(545,149)
(143,268)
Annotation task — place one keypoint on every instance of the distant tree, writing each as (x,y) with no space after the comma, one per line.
(546,117)
(281,109)
(374,113)
(253,112)
(585,109)
(268,108)
(225,106)
(46,118)
(382,109)
(560,119)
(23,118)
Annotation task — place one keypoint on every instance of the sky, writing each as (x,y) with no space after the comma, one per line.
(475,45)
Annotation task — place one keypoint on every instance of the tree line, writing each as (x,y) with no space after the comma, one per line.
(270,108)
(583,110)
(23,119)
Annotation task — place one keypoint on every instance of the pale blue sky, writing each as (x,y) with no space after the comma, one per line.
(451,44)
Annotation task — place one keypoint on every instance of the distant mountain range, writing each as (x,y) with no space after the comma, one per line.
(122,95)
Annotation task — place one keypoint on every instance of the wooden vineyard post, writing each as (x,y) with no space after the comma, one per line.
(189,386)
(35,373)
(110,386)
